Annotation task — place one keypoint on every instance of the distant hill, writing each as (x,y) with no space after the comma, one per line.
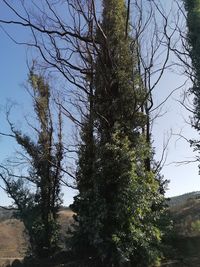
(185,213)
(5,214)
(180,200)
(13,240)
(184,239)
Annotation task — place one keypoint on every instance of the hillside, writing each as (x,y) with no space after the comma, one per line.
(185,212)
(5,214)
(182,199)
(14,242)
(184,240)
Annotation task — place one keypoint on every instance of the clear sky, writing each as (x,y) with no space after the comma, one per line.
(13,73)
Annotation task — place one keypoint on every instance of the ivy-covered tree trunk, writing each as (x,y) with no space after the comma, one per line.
(116,221)
(84,215)
(47,166)
(193,37)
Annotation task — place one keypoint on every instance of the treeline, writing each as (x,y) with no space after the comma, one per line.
(120,210)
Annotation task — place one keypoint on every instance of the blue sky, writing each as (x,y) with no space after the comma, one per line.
(13,73)
(183,177)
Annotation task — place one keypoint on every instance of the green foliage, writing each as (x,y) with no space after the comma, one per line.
(195,226)
(193,38)
(119,205)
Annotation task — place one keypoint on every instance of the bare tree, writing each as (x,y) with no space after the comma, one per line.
(68,44)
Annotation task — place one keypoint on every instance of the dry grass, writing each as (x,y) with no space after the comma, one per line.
(12,239)
(65,218)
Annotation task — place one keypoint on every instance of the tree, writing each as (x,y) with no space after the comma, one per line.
(116,209)
(114,122)
(38,207)
(193,39)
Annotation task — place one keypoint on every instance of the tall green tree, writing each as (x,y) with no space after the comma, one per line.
(36,194)
(193,39)
(119,202)
(193,23)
